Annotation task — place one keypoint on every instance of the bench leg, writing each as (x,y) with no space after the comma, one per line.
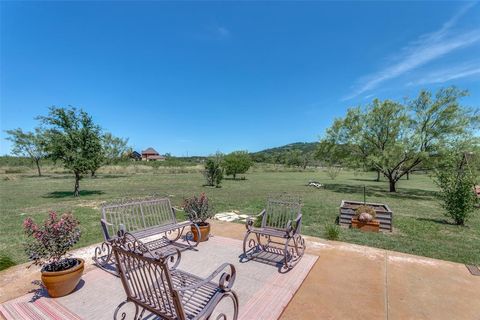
(103,258)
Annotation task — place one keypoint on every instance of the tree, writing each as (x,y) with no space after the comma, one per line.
(456,182)
(75,140)
(395,138)
(114,148)
(213,170)
(28,144)
(237,162)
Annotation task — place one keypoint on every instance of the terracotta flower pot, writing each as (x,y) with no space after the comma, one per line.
(61,283)
(204,232)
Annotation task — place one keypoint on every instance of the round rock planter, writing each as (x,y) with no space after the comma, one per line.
(61,283)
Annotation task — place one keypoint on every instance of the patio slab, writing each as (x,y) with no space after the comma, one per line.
(347,282)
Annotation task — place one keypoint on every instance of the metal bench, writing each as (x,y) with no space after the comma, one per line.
(151,220)
(153,284)
(278,239)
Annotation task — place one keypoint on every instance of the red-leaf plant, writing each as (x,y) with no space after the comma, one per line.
(48,243)
(197,209)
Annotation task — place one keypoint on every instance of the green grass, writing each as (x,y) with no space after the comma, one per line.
(420,227)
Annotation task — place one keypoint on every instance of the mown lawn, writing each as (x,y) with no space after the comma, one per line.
(420,227)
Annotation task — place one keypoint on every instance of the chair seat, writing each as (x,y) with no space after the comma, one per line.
(271,232)
(193,301)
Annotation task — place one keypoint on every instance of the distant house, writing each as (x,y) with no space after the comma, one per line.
(152,154)
(136,156)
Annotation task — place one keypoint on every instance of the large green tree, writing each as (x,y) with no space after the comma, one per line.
(28,144)
(394,138)
(237,162)
(74,139)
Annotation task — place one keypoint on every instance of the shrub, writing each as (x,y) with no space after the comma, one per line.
(456,190)
(332,232)
(333,171)
(48,243)
(197,209)
(213,172)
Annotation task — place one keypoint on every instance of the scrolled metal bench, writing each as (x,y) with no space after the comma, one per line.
(153,283)
(279,234)
(152,221)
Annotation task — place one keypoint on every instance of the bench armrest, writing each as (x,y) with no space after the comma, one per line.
(104,223)
(225,283)
(250,220)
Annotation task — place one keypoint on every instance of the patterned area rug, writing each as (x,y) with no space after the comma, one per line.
(263,292)
(27,307)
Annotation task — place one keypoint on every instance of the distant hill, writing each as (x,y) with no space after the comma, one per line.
(297,153)
(304,147)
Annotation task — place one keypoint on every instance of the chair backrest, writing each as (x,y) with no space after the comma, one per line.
(279,211)
(138,215)
(147,280)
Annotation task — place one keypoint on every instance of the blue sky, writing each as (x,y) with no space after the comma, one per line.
(197,77)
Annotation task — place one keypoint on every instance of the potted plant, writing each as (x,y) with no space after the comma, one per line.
(198,211)
(47,246)
(364,219)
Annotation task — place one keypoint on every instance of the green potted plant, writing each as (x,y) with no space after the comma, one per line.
(47,246)
(198,211)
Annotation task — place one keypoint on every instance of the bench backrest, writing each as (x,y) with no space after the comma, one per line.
(147,280)
(278,212)
(138,215)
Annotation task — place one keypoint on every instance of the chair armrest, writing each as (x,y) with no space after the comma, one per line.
(298,223)
(225,283)
(250,220)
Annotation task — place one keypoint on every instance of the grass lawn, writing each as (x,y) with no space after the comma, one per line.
(420,227)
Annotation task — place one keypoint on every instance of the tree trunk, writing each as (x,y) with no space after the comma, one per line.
(392,185)
(408,175)
(37,162)
(76,192)
(378,176)
(234,176)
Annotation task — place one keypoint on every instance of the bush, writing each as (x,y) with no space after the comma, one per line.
(456,185)
(332,232)
(213,172)
(48,243)
(333,171)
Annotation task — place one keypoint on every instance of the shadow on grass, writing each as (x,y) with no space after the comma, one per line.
(237,179)
(434,220)
(382,191)
(66,194)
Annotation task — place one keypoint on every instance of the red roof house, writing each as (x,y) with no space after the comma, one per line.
(152,154)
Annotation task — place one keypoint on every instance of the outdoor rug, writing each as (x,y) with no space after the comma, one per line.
(262,290)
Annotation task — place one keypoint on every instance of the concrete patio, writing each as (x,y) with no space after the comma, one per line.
(346,282)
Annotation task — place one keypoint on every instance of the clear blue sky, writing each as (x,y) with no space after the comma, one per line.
(200,77)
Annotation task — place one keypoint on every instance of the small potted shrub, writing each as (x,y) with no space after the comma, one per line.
(198,211)
(364,219)
(47,246)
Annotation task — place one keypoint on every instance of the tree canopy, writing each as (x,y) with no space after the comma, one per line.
(394,138)
(74,139)
(28,144)
(237,162)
